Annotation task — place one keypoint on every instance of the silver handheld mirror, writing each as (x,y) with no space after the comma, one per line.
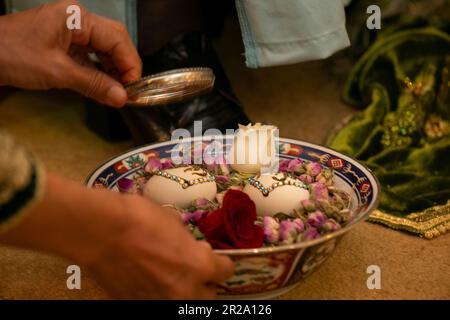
(170,87)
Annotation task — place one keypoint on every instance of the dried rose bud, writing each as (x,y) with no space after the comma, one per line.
(316,219)
(193,216)
(327,173)
(126,185)
(283,166)
(313,169)
(153,165)
(299,225)
(166,163)
(310,234)
(201,203)
(308,205)
(223,179)
(320,178)
(271,230)
(217,164)
(306,179)
(294,165)
(185,216)
(331,211)
(338,202)
(330,226)
(342,215)
(289,231)
(213,167)
(270,222)
(319,191)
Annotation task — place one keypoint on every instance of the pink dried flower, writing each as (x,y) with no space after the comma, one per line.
(289,230)
(330,226)
(218,165)
(271,229)
(317,219)
(126,185)
(212,167)
(299,225)
(319,191)
(166,163)
(270,222)
(294,165)
(201,203)
(308,205)
(326,177)
(193,216)
(153,165)
(223,179)
(223,166)
(310,234)
(306,179)
(320,178)
(313,169)
(283,166)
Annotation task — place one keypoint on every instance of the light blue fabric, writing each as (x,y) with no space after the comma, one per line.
(121,10)
(277,32)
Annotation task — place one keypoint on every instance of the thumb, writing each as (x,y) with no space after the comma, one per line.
(97,85)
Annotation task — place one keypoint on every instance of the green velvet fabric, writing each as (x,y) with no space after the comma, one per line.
(403,132)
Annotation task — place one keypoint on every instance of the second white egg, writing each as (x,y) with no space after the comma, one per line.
(277,193)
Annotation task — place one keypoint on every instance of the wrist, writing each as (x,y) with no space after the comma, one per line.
(71,221)
(97,226)
(92,223)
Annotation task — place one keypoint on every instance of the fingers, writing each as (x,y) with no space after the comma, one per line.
(96,85)
(222,266)
(110,37)
(108,66)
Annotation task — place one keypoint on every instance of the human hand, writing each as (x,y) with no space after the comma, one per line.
(156,257)
(135,248)
(39,52)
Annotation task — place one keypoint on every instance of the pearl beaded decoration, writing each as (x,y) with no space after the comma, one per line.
(253,181)
(187,183)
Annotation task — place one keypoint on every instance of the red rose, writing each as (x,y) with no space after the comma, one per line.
(233,225)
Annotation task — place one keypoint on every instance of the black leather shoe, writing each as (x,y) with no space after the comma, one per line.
(218,109)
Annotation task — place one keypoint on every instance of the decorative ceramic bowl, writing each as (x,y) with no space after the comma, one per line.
(271,271)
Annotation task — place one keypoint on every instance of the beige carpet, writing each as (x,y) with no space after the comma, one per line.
(303,100)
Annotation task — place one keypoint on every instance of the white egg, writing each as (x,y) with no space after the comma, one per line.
(283,194)
(253,149)
(164,190)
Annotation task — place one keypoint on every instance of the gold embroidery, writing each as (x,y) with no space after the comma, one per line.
(430,223)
